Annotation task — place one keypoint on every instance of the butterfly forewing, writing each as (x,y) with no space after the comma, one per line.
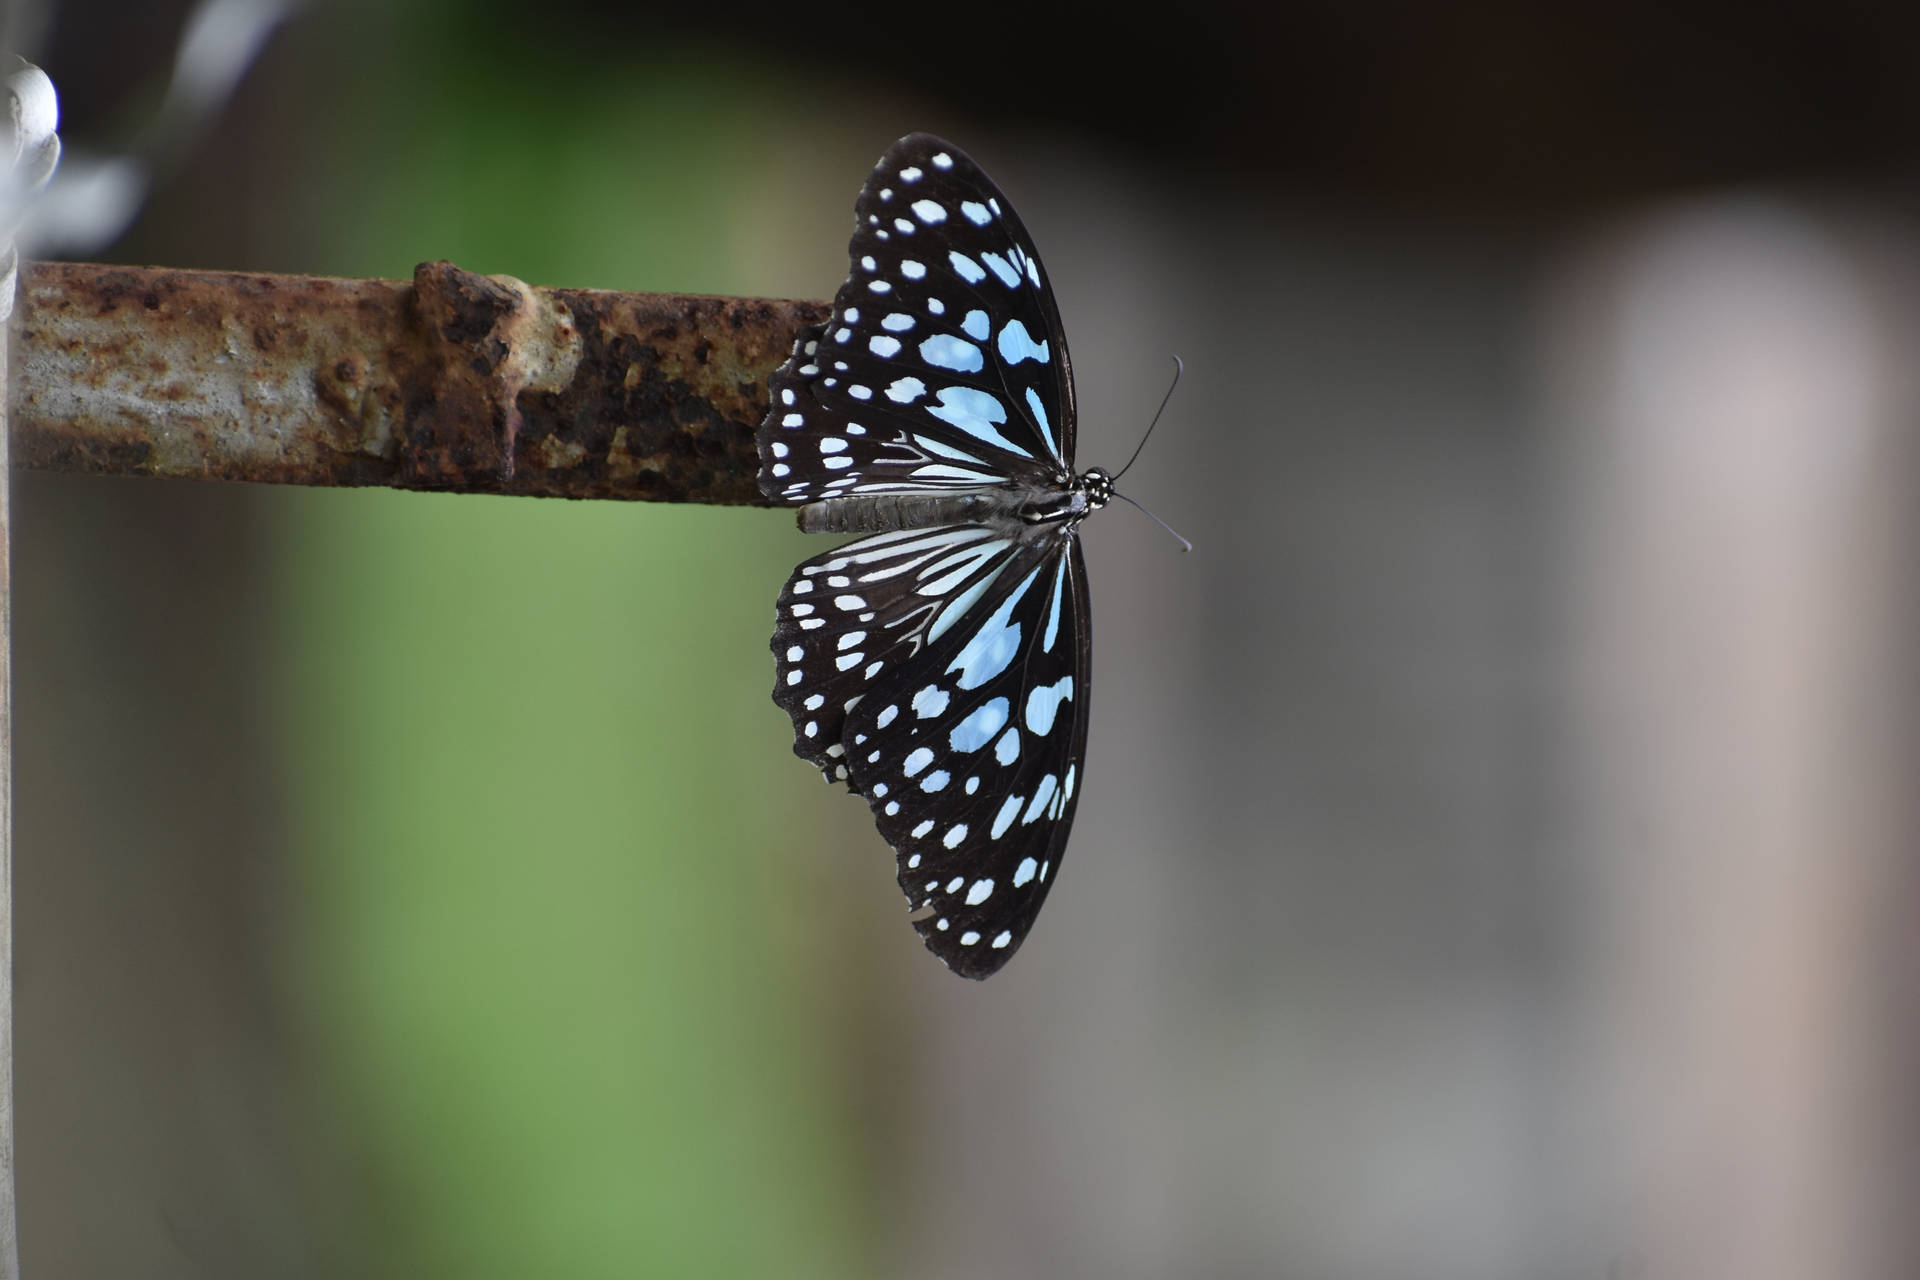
(940,669)
(943,366)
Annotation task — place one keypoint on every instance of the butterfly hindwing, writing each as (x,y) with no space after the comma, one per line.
(850,619)
(943,366)
(971,758)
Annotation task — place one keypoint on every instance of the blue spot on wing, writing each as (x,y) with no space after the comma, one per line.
(993,646)
(977,730)
(974,412)
(948,352)
(1043,703)
(1016,344)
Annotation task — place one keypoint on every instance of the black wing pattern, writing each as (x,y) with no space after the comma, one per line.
(940,668)
(943,367)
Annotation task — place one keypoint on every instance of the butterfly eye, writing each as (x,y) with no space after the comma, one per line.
(938,665)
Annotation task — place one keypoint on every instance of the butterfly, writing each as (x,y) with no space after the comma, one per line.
(940,665)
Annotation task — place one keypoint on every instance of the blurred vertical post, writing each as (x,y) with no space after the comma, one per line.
(1739,484)
(32,149)
(9,1230)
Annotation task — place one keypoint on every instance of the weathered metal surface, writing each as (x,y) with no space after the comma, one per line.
(457,381)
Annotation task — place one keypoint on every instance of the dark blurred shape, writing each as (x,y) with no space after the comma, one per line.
(1531,109)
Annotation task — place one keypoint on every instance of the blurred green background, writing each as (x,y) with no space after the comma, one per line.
(1495,833)
(528,734)
(545,957)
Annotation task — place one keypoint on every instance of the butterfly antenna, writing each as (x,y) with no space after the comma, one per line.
(1179,367)
(1184,544)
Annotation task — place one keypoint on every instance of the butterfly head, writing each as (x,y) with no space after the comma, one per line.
(1098,486)
(1065,507)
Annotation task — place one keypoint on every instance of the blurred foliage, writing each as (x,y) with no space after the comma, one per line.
(562,1042)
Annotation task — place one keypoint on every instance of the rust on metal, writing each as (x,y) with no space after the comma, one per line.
(455,381)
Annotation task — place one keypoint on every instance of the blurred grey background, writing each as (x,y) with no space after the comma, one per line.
(1496,852)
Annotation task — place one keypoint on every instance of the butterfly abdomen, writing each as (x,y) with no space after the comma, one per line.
(886,512)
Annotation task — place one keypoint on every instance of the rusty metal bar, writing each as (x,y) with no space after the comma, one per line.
(455,382)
